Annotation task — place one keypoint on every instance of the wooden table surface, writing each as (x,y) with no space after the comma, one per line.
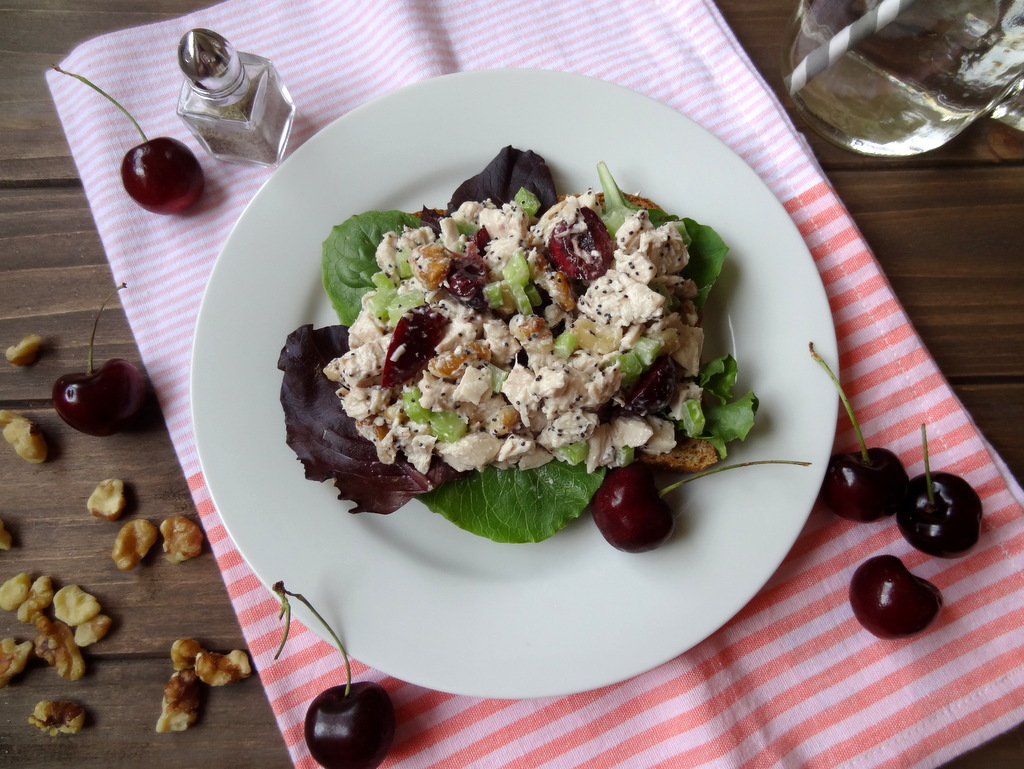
(948,228)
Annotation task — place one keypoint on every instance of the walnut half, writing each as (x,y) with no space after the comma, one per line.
(222,669)
(180,707)
(24,435)
(56,644)
(26,351)
(132,543)
(183,539)
(13,658)
(107,500)
(58,716)
(73,606)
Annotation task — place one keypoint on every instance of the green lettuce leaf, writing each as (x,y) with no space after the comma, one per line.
(348,259)
(707,255)
(516,505)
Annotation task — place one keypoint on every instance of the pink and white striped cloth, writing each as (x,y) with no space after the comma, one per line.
(792,681)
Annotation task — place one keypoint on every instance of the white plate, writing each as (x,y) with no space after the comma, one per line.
(411,594)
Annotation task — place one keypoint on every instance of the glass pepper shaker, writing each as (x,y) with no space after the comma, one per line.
(233,102)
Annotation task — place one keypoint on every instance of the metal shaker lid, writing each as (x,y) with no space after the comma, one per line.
(209,61)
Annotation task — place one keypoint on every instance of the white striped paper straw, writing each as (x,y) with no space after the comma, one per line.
(825,55)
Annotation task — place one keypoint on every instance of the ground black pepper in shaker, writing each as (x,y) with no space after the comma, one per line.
(233,102)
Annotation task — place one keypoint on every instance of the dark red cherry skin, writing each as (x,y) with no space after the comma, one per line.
(951,526)
(864,491)
(890,601)
(414,342)
(654,391)
(162,175)
(585,254)
(629,512)
(103,402)
(353,731)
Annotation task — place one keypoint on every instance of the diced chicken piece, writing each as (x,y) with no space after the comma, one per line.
(630,431)
(435,393)
(475,384)
(601,451)
(504,346)
(617,299)
(663,436)
(471,451)
(687,355)
(419,450)
(513,449)
(364,329)
(568,428)
(450,235)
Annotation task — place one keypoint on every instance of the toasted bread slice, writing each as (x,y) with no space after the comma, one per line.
(691,455)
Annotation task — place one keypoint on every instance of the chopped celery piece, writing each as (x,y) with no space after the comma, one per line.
(498,377)
(466,228)
(447,426)
(532,294)
(411,404)
(495,293)
(624,456)
(382,281)
(574,453)
(521,299)
(692,421)
(404,268)
(527,201)
(516,270)
(630,366)
(647,350)
(380,301)
(402,302)
(565,344)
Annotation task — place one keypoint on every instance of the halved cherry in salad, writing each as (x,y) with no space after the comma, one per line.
(413,344)
(582,249)
(864,485)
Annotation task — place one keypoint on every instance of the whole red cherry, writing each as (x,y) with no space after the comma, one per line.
(101,401)
(629,512)
(890,601)
(941,514)
(349,726)
(162,175)
(867,484)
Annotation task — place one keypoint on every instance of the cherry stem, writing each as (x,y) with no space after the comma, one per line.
(927,467)
(96,322)
(846,403)
(286,612)
(114,101)
(714,470)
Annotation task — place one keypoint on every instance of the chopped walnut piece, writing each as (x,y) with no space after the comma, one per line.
(13,658)
(180,706)
(93,630)
(24,435)
(14,591)
(5,538)
(183,539)
(184,652)
(56,644)
(73,606)
(132,543)
(56,716)
(26,351)
(221,669)
(40,595)
(107,500)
